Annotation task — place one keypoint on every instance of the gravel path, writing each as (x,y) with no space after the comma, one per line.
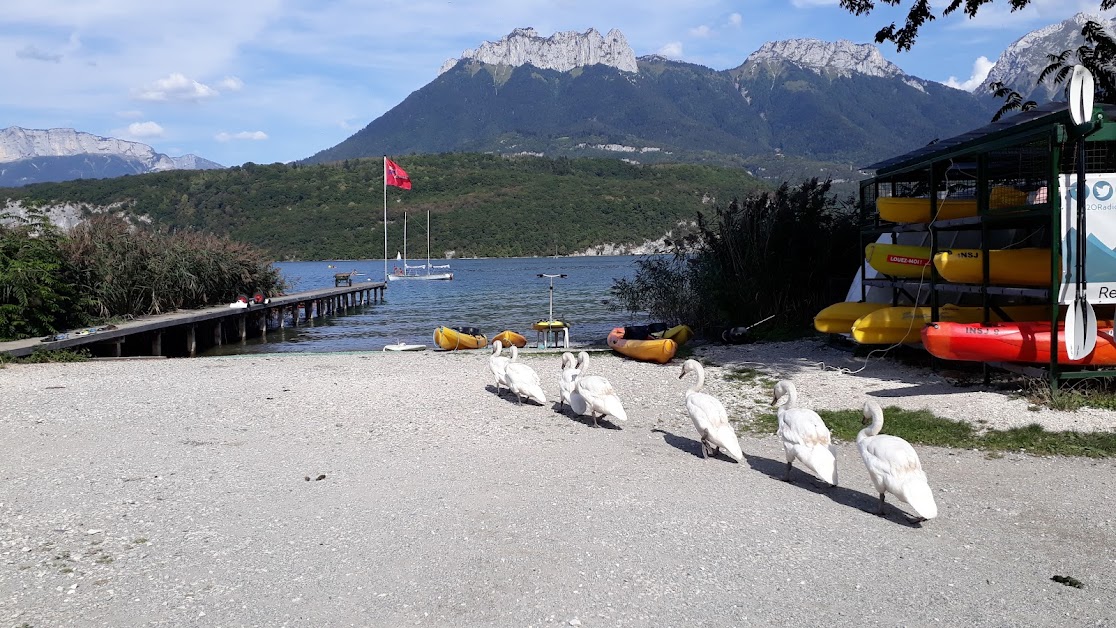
(175,493)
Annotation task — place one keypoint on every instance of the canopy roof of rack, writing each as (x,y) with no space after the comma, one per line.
(1001,133)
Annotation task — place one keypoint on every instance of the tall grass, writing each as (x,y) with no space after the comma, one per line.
(129,271)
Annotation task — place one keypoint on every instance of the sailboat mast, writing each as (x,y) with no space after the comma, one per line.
(404,243)
(428,242)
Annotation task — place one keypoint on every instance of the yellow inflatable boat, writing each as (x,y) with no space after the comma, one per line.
(907,209)
(453,338)
(839,317)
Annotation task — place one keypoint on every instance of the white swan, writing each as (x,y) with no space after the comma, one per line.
(804,435)
(497,364)
(893,465)
(594,396)
(568,378)
(523,380)
(709,417)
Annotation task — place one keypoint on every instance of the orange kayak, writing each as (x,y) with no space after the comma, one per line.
(508,338)
(659,350)
(1011,342)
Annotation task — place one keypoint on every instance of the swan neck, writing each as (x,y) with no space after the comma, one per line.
(700,383)
(874,427)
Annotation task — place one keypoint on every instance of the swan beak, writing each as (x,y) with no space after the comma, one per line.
(682,374)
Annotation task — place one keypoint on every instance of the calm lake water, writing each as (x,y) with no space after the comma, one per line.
(490,294)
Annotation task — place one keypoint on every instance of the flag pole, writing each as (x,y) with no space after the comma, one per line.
(385,220)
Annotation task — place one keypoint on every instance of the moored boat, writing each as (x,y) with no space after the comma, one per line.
(453,338)
(1027,342)
(659,350)
(509,338)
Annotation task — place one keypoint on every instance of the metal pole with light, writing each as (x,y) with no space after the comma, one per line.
(550,320)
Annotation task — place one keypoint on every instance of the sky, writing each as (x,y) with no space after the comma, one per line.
(266,81)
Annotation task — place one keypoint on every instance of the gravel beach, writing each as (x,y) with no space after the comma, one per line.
(389,489)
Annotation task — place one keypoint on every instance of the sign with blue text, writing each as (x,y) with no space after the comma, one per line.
(1100,228)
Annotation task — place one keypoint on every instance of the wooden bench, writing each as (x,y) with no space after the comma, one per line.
(343,278)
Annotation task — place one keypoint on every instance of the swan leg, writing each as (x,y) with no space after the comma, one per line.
(786,476)
(595,424)
(704,449)
(880,512)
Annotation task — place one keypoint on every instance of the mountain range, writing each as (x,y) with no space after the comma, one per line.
(37,156)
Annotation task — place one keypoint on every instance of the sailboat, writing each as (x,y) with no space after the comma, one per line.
(412,272)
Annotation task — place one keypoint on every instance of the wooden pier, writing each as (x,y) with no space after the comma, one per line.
(187,332)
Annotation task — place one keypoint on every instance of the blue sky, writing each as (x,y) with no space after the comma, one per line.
(278,80)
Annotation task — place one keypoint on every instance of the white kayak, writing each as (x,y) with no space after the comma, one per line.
(402,346)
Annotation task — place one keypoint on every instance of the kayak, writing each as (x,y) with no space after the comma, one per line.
(903,324)
(1013,267)
(1012,342)
(508,338)
(402,346)
(917,210)
(659,350)
(898,260)
(839,317)
(453,338)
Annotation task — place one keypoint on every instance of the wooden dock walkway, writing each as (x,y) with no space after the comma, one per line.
(187,332)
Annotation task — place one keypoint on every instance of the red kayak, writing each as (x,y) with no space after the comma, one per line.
(1011,342)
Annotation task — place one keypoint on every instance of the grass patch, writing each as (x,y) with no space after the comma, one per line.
(1092,393)
(43,357)
(923,427)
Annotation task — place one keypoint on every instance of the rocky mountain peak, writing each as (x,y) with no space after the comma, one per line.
(1020,64)
(842,57)
(17,143)
(561,51)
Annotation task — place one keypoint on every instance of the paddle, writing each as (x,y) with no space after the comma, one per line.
(1081,320)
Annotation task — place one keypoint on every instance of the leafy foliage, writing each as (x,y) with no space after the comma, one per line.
(921,12)
(1097,54)
(107,269)
(37,295)
(772,253)
(481,205)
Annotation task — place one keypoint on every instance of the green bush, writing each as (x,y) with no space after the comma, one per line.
(773,253)
(37,292)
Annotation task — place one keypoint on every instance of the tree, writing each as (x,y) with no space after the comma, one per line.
(920,12)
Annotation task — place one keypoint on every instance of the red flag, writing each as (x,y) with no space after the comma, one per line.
(394,175)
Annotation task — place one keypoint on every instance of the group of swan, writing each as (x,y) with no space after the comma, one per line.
(520,379)
(893,466)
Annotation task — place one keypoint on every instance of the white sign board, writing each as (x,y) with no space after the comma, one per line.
(1100,227)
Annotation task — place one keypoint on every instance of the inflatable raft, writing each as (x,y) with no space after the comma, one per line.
(1012,342)
(898,260)
(659,350)
(894,325)
(454,338)
(509,338)
(1012,267)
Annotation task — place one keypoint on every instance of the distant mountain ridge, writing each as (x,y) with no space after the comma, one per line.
(1019,66)
(793,109)
(41,155)
(562,51)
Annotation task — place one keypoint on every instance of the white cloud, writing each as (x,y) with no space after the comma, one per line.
(33,53)
(672,50)
(176,87)
(231,83)
(145,129)
(981,67)
(736,19)
(701,31)
(242,135)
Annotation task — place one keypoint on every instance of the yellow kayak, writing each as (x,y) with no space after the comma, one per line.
(905,209)
(839,317)
(548,325)
(508,338)
(903,324)
(453,338)
(898,260)
(1013,267)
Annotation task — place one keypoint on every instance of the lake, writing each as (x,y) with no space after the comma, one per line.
(490,294)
